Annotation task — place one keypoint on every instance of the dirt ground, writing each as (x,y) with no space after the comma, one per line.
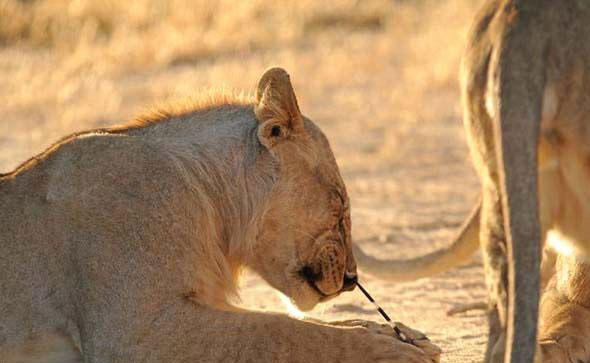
(380,78)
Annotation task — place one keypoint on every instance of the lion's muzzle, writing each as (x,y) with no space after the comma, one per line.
(330,275)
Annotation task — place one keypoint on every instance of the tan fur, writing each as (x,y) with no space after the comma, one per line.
(174,108)
(526,93)
(125,244)
(565,308)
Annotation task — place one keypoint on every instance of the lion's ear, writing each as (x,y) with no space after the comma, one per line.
(276,108)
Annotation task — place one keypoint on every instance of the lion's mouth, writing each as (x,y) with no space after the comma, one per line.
(311,277)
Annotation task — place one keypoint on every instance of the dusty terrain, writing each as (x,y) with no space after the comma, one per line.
(379,77)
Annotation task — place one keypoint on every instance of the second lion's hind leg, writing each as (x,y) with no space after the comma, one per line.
(493,243)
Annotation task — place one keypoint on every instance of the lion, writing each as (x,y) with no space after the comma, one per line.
(125,244)
(525,80)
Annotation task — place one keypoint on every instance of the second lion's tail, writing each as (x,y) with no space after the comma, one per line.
(465,244)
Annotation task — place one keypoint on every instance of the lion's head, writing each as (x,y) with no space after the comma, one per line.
(304,241)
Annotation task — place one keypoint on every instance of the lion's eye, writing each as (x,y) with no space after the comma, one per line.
(275,131)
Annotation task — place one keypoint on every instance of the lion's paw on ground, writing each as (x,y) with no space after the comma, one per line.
(388,346)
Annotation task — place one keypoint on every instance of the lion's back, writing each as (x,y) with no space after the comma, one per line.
(56,210)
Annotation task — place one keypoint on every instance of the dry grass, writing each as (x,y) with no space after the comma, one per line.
(156,32)
(380,77)
(59,56)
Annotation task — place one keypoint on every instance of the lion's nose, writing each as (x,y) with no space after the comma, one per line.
(349,281)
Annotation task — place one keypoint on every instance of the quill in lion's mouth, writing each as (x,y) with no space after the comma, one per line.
(397,330)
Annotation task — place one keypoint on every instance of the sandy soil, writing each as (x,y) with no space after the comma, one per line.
(387,97)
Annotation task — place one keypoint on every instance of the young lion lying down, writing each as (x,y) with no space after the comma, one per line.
(123,244)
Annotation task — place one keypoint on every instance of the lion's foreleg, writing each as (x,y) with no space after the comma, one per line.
(189,333)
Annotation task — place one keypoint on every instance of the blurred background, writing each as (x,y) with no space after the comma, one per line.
(379,77)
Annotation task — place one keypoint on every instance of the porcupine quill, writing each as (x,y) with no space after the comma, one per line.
(397,330)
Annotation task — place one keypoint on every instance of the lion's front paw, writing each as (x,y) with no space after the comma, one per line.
(420,340)
(567,349)
(386,345)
